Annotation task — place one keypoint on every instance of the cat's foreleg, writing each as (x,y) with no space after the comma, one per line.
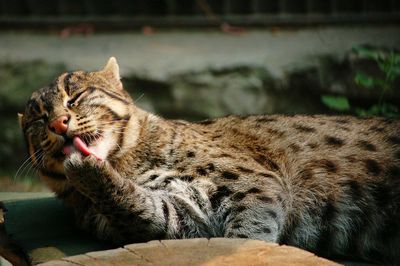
(137,213)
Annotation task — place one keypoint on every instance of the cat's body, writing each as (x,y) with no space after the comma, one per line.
(326,184)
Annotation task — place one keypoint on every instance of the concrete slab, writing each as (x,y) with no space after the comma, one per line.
(164,53)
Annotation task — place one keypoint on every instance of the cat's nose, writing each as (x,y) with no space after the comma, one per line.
(60,124)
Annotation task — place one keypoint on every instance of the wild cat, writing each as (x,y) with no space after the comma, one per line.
(328,184)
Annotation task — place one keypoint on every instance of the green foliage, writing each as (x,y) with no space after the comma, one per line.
(366,81)
(339,103)
(388,63)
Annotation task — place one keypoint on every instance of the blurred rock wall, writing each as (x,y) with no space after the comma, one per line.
(196,95)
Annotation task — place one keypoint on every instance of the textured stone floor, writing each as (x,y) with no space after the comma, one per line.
(201,251)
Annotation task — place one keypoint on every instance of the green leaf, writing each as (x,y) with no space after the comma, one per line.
(361,112)
(366,53)
(390,110)
(339,103)
(364,80)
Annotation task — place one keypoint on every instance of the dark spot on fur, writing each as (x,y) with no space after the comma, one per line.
(333,141)
(351,158)
(397,154)
(253,190)
(190,154)
(210,167)
(240,208)
(265,199)
(242,236)
(153,177)
(312,145)
(394,171)
(222,192)
(216,137)
(328,213)
(166,213)
(303,128)
(382,194)
(236,226)
(279,198)
(263,160)
(355,188)
(201,171)
(272,214)
(245,170)
(266,230)
(181,169)
(306,174)
(266,175)
(328,165)
(230,175)
(377,129)
(187,178)
(344,128)
(373,167)
(235,147)
(365,145)
(168,180)
(294,147)
(230,234)
(342,121)
(388,120)
(276,132)
(206,122)
(266,119)
(238,196)
(394,140)
(225,155)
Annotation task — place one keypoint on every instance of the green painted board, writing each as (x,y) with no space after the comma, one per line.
(45,228)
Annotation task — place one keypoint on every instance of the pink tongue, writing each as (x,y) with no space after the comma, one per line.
(81,146)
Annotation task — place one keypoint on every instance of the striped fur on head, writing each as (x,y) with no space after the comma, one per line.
(98,110)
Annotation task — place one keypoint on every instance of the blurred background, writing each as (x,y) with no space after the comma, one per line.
(196,59)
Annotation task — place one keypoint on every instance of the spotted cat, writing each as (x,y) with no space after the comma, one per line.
(328,184)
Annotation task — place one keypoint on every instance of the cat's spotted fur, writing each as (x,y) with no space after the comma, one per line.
(326,184)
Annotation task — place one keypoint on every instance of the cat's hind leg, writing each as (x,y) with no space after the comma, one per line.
(259,217)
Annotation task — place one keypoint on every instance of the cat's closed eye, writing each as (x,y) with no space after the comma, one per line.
(75,99)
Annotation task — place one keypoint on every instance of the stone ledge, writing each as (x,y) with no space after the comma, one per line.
(200,251)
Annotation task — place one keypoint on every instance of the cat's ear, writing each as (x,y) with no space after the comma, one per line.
(20,119)
(111,72)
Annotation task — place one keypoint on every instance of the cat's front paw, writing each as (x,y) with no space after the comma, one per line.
(77,165)
(86,174)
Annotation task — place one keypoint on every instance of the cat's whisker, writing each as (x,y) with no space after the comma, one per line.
(138,98)
(26,162)
(23,165)
(22,171)
(33,166)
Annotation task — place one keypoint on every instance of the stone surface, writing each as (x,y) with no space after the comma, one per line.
(173,52)
(40,255)
(216,251)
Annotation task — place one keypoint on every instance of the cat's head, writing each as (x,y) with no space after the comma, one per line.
(80,111)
